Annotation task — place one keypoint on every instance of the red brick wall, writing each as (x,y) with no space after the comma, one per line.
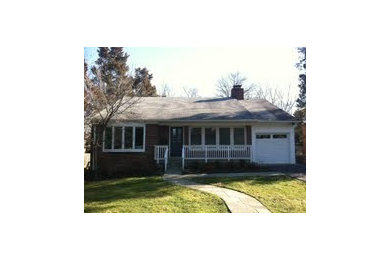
(163,131)
(130,163)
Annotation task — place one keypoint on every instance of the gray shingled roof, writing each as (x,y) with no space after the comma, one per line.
(205,109)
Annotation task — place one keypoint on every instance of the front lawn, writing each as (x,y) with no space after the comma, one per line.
(277,193)
(147,194)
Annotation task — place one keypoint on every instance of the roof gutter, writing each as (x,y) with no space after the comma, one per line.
(227,121)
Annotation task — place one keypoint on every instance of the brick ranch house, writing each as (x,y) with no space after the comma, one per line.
(160,129)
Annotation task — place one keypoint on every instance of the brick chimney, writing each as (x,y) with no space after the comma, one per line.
(237,92)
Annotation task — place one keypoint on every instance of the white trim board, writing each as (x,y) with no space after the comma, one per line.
(122,149)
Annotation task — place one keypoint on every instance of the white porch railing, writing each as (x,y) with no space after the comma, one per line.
(216,152)
(161,153)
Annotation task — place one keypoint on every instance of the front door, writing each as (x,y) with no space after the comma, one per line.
(176,140)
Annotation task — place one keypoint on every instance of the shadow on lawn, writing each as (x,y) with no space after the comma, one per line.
(265,180)
(130,188)
(99,208)
(270,180)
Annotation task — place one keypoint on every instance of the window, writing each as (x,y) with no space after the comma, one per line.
(224,136)
(279,136)
(139,138)
(196,136)
(108,138)
(210,136)
(263,136)
(128,137)
(117,137)
(239,136)
(124,139)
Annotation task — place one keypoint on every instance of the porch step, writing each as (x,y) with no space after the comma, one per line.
(173,170)
(174,161)
(170,165)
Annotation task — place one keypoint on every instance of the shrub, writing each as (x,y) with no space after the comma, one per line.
(218,165)
(243,164)
(230,165)
(210,166)
(195,165)
(252,166)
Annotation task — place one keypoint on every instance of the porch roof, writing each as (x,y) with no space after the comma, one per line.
(205,109)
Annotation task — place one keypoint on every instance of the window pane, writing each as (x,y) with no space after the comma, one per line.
(224,136)
(263,136)
(128,137)
(117,137)
(211,135)
(139,138)
(196,136)
(239,137)
(279,136)
(108,138)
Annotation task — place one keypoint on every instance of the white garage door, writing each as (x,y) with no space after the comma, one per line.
(272,148)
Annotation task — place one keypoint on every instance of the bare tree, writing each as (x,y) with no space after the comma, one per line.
(249,90)
(106,102)
(283,100)
(102,102)
(191,92)
(225,84)
(166,91)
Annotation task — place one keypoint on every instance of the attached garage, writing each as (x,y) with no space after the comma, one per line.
(272,148)
(273,145)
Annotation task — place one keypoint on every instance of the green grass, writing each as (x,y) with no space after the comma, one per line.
(277,193)
(147,194)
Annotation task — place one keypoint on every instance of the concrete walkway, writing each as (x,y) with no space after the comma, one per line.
(236,174)
(237,202)
(297,171)
(299,176)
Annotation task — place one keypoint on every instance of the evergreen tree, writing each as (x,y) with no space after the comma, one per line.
(301,65)
(112,66)
(142,83)
(300,113)
(301,100)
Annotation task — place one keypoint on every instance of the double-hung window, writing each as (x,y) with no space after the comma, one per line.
(217,136)
(127,138)
(108,138)
(239,136)
(210,136)
(224,136)
(196,136)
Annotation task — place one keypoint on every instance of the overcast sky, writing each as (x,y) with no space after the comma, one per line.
(202,67)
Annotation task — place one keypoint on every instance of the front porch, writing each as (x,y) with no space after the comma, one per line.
(217,152)
(204,142)
(204,153)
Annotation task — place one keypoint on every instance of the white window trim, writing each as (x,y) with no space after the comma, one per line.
(122,149)
(203,134)
(244,135)
(230,133)
(215,134)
